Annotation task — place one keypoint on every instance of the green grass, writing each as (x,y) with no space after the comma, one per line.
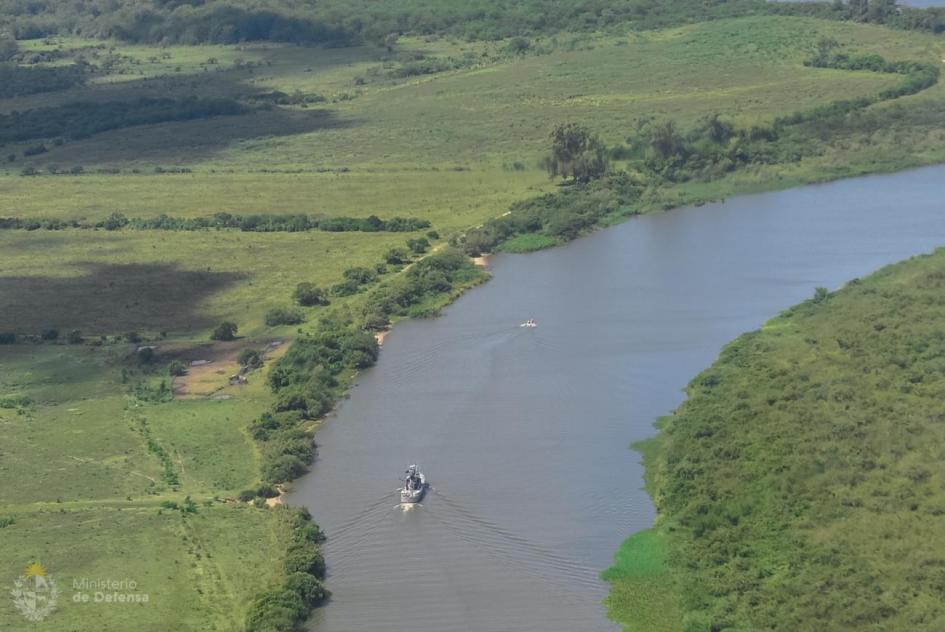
(800,482)
(183,283)
(641,586)
(529,243)
(195,570)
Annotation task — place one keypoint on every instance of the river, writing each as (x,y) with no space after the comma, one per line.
(524,433)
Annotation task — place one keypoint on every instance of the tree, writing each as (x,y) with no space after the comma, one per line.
(224,331)
(667,142)
(576,154)
(250,358)
(74,337)
(309,295)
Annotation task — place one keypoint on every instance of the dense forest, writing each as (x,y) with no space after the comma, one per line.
(801,480)
(340,23)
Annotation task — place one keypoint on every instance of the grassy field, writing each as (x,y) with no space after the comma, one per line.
(79,471)
(800,482)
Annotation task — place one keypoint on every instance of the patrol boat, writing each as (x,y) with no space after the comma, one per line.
(415,484)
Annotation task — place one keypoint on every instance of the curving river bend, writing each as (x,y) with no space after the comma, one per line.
(524,433)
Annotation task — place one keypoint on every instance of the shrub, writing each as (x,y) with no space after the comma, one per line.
(396,256)
(50,334)
(225,331)
(176,368)
(360,275)
(307,587)
(283,316)
(250,358)
(7,338)
(418,246)
(74,337)
(145,355)
(345,288)
(309,295)
(284,468)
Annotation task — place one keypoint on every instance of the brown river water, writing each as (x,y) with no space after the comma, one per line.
(524,433)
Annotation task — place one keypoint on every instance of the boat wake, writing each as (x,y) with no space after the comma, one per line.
(509,547)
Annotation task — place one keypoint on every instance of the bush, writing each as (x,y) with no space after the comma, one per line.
(145,355)
(250,358)
(50,334)
(176,368)
(418,246)
(74,337)
(7,338)
(304,557)
(307,587)
(309,295)
(345,288)
(225,331)
(284,468)
(396,256)
(360,275)
(283,316)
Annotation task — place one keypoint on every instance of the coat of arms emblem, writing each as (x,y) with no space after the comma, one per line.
(35,593)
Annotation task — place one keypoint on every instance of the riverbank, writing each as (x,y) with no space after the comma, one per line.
(802,470)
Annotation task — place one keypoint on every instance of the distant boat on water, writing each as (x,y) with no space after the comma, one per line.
(529,323)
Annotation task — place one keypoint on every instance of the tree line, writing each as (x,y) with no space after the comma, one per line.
(285,223)
(348,22)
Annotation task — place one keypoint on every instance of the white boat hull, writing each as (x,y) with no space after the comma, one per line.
(411,496)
